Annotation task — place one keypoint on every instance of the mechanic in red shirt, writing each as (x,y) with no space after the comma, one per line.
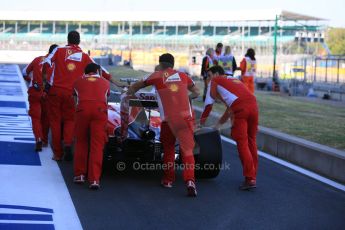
(242,110)
(38,109)
(69,64)
(177,118)
(90,127)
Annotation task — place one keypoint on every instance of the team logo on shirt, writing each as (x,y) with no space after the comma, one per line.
(71,66)
(174,77)
(236,81)
(76,56)
(91,79)
(69,52)
(173,87)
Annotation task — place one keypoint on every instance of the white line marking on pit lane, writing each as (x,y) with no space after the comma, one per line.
(294,167)
(43,222)
(23,85)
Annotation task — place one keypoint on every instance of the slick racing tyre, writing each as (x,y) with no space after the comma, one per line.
(208,153)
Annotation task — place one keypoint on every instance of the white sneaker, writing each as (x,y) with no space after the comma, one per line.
(94,185)
(79,179)
(191,189)
(167,184)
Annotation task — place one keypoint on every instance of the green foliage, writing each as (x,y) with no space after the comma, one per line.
(336,40)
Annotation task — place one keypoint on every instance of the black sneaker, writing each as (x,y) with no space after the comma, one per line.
(191,188)
(38,146)
(68,153)
(94,185)
(56,158)
(248,185)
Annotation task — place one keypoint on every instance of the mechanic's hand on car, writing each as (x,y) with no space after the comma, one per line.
(198,125)
(226,125)
(36,86)
(217,126)
(47,88)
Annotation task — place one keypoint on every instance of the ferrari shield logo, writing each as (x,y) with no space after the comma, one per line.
(71,66)
(173,87)
(165,76)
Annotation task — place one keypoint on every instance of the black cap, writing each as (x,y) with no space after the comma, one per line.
(167,58)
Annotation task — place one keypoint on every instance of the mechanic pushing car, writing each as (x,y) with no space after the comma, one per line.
(37,101)
(177,119)
(242,110)
(90,126)
(69,64)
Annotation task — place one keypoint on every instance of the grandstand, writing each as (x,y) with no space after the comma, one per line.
(142,35)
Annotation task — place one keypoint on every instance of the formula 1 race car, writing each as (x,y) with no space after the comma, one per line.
(134,134)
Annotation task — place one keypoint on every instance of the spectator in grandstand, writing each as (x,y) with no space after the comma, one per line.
(218,52)
(248,69)
(38,108)
(242,110)
(69,64)
(91,118)
(207,62)
(177,120)
(228,62)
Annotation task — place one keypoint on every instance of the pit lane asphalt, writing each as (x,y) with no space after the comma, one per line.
(133,199)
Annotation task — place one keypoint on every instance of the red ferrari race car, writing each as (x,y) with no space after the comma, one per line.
(134,134)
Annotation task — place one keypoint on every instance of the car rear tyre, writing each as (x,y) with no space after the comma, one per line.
(208,153)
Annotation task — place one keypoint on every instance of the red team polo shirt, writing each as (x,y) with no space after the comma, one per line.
(172,93)
(92,88)
(229,89)
(70,62)
(35,67)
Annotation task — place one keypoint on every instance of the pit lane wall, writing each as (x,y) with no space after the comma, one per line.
(323,160)
(33,193)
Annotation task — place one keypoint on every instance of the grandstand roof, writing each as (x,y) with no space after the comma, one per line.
(99,14)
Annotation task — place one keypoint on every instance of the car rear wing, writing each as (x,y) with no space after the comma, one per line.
(143,103)
(129,80)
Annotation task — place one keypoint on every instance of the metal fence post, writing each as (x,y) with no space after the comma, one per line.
(326,69)
(315,65)
(338,70)
(305,69)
